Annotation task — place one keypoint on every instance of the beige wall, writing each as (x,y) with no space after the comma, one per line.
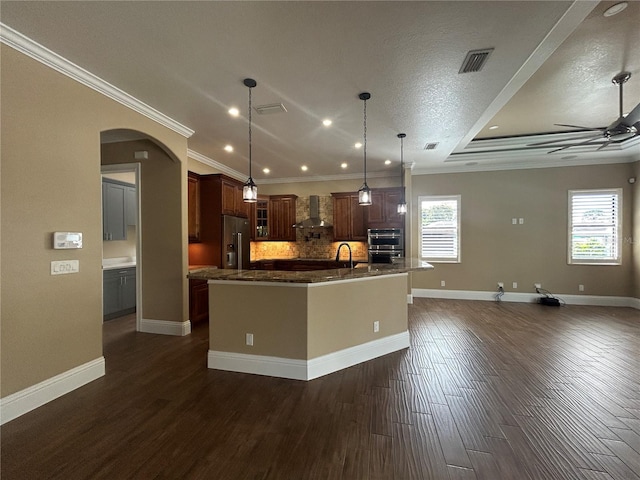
(494,250)
(635,238)
(304,322)
(304,189)
(50,182)
(163,290)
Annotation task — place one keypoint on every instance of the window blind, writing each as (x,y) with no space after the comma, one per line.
(594,228)
(439,228)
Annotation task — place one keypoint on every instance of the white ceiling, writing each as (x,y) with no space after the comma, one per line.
(552,63)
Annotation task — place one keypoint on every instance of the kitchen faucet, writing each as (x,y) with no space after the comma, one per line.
(345,244)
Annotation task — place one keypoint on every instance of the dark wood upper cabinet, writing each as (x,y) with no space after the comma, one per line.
(348,217)
(259,215)
(282,217)
(383,211)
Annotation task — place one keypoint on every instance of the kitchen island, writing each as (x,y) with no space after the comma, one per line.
(302,325)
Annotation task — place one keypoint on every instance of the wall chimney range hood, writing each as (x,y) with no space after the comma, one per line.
(314,220)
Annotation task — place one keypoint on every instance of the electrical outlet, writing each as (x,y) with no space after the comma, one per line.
(500,285)
(537,285)
(514,221)
(521,221)
(514,285)
(249,339)
(581,288)
(376,326)
(442,283)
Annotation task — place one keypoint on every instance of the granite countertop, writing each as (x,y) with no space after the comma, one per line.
(362,270)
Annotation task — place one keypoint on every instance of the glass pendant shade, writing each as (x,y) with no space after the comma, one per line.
(402,207)
(364,195)
(250,191)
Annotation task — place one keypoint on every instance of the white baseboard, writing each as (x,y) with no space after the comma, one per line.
(409,298)
(165,327)
(306,369)
(19,403)
(595,300)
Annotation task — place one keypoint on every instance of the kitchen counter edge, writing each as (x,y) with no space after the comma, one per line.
(362,270)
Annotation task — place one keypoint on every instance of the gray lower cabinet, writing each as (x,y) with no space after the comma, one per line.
(119,292)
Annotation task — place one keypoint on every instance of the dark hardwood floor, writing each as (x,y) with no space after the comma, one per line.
(486,391)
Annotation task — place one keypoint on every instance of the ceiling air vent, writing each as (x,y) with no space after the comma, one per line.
(431,146)
(271,108)
(475,60)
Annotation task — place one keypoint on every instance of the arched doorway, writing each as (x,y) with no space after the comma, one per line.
(161,288)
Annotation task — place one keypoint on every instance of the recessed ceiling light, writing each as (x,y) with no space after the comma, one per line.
(228,148)
(266,170)
(234,112)
(358,145)
(615,9)
(304,168)
(344,165)
(326,122)
(493,127)
(387,162)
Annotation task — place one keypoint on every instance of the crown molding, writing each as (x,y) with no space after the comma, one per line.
(32,49)
(217,165)
(324,178)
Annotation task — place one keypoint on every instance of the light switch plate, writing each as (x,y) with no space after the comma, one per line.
(63,267)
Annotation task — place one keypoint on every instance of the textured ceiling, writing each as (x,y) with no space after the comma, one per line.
(188,60)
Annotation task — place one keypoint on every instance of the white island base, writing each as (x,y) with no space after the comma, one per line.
(305,330)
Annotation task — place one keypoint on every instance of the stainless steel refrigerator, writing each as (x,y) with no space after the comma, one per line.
(235,242)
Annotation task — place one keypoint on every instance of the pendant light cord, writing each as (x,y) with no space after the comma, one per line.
(250,133)
(402,164)
(365,141)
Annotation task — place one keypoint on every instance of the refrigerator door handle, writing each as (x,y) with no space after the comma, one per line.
(239,251)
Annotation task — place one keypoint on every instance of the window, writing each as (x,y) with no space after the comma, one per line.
(440,228)
(594,226)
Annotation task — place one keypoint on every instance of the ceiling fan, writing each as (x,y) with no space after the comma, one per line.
(622,129)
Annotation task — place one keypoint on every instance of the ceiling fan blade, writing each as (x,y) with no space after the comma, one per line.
(590,135)
(578,126)
(633,117)
(573,145)
(605,144)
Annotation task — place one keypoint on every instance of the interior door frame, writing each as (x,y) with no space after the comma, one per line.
(135,168)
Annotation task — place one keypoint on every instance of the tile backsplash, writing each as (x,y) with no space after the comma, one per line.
(310,243)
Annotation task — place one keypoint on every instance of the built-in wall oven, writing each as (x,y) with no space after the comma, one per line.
(385,244)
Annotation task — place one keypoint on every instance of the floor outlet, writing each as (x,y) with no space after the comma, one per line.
(250,339)
(376,326)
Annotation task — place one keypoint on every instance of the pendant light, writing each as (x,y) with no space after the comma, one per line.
(402,206)
(250,190)
(364,194)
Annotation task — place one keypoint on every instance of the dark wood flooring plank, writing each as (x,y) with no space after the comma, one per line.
(450,441)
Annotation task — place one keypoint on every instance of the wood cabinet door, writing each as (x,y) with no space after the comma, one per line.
(282,216)
(229,194)
(341,217)
(391,200)
(198,301)
(358,220)
(376,211)
(194,207)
